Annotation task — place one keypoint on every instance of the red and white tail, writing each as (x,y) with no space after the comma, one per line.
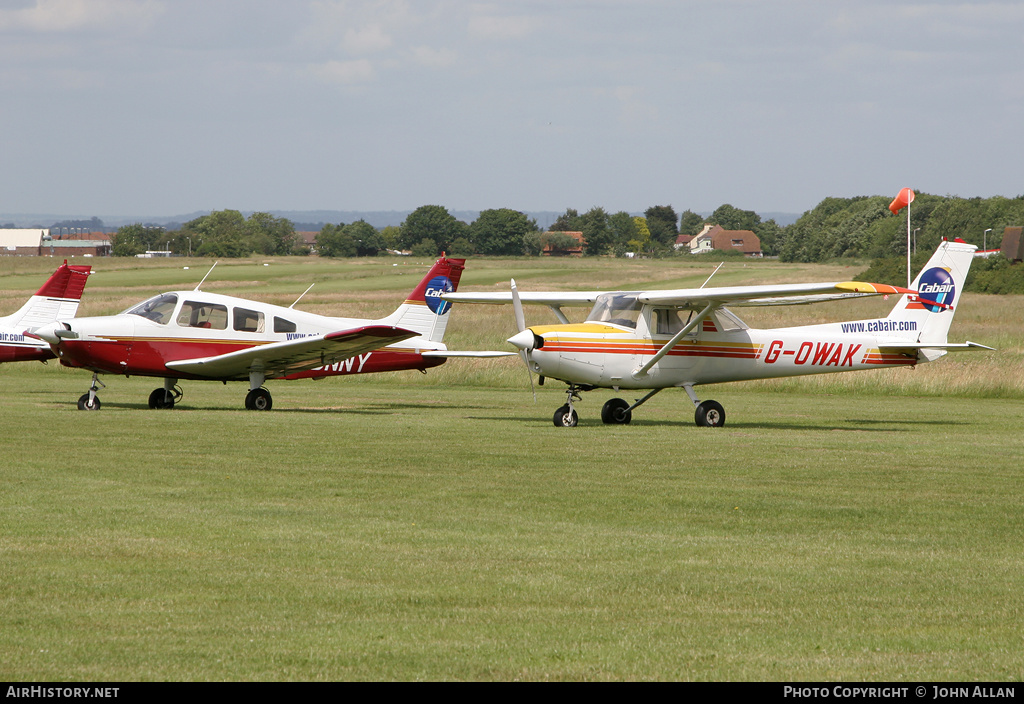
(57,299)
(424,311)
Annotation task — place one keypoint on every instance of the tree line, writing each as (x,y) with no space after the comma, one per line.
(859,227)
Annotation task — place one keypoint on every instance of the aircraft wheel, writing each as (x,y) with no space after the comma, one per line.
(158,399)
(84,405)
(566,417)
(614,411)
(710,414)
(258,400)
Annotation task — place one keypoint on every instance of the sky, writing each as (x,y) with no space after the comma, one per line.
(162,107)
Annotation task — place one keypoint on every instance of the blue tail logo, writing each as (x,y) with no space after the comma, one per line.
(437,286)
(937,290)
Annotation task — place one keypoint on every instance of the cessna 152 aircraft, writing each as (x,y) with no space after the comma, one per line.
(199,335)
(685,338)
(57,299)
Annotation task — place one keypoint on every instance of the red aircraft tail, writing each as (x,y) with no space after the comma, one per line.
(424,311)
(57,299)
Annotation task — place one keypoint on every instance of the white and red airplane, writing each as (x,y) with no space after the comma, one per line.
(199,335)
(57,299)
(655,340)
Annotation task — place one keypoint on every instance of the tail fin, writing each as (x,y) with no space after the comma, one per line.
(424,311)
(57,299)
(927,315)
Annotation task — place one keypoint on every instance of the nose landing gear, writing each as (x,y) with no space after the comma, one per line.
(90,401)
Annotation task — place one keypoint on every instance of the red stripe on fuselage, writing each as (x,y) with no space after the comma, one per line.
(700,350)
(148,357)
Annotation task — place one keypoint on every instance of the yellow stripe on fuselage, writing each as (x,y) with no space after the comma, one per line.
(593,328)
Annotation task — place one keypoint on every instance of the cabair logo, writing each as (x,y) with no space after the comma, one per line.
(936,287)
(437,286)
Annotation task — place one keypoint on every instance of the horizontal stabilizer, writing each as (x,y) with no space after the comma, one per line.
(467,353)
(949,346)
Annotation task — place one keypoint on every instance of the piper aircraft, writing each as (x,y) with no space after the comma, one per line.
(57,299)
(199,335)
(653,340)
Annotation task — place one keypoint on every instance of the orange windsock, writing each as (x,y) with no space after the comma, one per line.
(905,198)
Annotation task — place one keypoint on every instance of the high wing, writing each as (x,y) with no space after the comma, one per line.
(282,358)
(544,298)
(769,294)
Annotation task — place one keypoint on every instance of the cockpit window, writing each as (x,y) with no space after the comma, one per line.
(727,320)
(195,314)
(159,309)
(617,309)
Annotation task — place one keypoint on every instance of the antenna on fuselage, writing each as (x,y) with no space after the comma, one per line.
(302,294)
(712,274)
(207,274)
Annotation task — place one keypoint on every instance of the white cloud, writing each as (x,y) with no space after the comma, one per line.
(366,40)
(494,27)
(344,72)
(434,58)
(73,15)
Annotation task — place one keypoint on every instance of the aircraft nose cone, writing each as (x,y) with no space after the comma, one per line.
(523,340)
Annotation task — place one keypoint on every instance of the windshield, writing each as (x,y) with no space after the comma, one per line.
(158,309)
(617,309)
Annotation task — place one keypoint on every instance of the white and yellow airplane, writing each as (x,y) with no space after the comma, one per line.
(654,340)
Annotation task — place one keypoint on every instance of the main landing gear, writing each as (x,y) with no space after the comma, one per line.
(708,414)
(258,400)
(617,411)
(167,396)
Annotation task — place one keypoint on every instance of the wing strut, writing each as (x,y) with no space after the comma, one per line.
(642,371)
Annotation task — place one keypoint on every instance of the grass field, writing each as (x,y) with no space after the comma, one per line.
(438,526)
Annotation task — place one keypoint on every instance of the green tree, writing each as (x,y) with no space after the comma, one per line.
(731,218)
(462,247)
(430,222)
(642,241)
(569,221)
(135,239)
(369,242)
(425,248)
(268,234)
(690,223)
(662,222)
(391,235)
(222,233)
(333,241)
(624,231)
(500,232)
(597,233)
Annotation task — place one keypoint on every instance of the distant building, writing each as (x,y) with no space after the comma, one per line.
(36,242)
(1013,243)
(715,237)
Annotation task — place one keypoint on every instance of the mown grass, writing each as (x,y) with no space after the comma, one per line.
(390,531)
(438,526)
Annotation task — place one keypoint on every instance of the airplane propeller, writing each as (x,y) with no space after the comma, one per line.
(524,339)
